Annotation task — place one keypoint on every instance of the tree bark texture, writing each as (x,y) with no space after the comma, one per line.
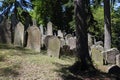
(81,15)
(107,25)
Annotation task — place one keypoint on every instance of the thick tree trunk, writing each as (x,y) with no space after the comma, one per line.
(81,12)
(107,25)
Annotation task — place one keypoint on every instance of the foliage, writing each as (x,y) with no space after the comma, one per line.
(59,12)
(116,28)
(98,28)
(47,10)
(15,7)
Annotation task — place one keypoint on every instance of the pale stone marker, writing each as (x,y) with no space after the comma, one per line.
(60,34)
(42,35)
(62,42)
(97,55)
(41,29)
(72,42)
(90,41)
(49,28)
(53,49)
(110,55)
(118,60)
(67,37)
(34,38)
(19,35)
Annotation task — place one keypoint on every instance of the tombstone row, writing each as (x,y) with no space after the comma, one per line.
(36,39)
(102,57)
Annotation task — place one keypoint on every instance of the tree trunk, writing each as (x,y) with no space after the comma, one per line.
(81,13)
(107,25)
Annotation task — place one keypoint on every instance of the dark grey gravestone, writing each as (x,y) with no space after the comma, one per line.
(110,55)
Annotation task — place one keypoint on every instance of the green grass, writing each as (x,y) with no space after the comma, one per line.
(17,63)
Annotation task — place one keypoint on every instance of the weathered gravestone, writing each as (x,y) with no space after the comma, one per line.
(19,35)
(99,43)
(5,31)
(72,42)
(96,54)
(34,38)
(46,40)
(34,22)
(118,60)
(41,29)
(49,28)
(42,35)
(62,42)
(60,34)
(110,55)
(53,49)
(67,37)
(65,50)
(90,41)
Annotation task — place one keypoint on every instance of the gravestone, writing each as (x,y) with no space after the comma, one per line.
(118,60)
(53,49)
(41,29)
(49,28)
(65,50)
(72,42)
(46,40)
(19,35)
(110,55)
(34,38)
(62,42)
(67,37)
(34,22)
(5,31)
(90,41)
(42,35)
(99,43)
(97,55)
(60,34)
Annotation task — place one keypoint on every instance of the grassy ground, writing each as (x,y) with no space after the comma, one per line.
(21,64)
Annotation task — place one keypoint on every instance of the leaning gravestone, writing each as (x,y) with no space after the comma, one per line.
(96,54)
(49,28)
(72,42)
(118,60)
(34,38)
(110,55)
(53,49)
(19,35)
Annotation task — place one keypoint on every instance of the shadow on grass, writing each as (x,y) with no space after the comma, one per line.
(68,72)
(21,50)
(9,71)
